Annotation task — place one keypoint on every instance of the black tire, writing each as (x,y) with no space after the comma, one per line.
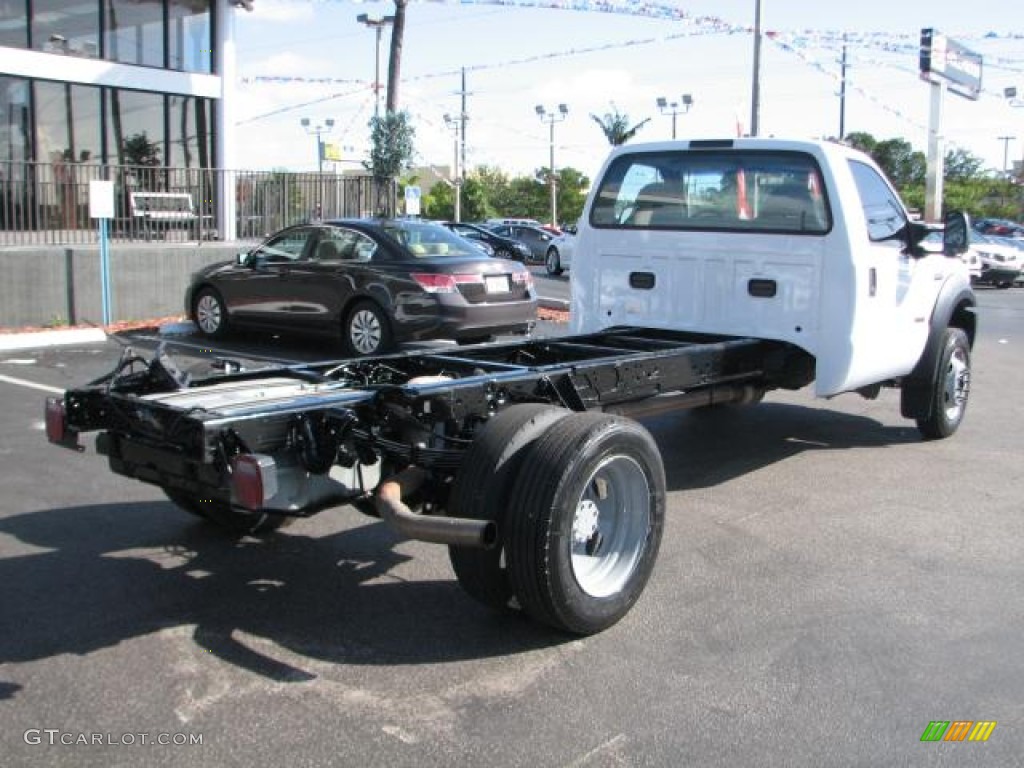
(481,491)
(233,520)
(553,263)
(210,313)
(589,511)
(950,387)
(366,330)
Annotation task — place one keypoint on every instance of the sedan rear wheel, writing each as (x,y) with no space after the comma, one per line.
(210,314)
(366,330)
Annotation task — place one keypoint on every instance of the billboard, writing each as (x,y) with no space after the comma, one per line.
(948,60)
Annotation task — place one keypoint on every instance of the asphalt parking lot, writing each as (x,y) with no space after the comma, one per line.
(828,585)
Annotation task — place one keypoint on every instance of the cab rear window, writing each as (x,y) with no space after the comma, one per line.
(747,191)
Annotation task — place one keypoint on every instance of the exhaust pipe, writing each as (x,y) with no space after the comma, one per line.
(458,531)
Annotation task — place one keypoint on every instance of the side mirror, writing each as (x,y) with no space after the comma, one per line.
(956,233)
(241,258)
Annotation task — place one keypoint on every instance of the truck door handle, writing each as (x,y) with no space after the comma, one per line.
(761,288)
(643,281)
(872,282)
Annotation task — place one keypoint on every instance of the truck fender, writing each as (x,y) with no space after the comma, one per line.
(955,307)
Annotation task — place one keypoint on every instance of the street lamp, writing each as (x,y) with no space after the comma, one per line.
(316,129)
(378,25)
(455,125)
(551,118)
(675,108)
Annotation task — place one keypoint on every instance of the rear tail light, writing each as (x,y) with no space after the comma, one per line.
(437,283)
(253,480)
(56,423)
(434,283)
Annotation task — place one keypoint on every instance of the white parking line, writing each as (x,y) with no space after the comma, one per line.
(31,385)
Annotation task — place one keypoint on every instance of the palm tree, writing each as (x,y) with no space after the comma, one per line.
(615,126)
(395,57)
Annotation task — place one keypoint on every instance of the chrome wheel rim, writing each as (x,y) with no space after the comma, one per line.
(552,262)
(209,313)
(957,384)
(365,331)
(610,526)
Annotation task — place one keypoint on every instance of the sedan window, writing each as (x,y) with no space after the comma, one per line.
(288,246)
(338,244)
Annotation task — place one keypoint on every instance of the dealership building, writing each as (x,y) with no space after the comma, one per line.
(87,85)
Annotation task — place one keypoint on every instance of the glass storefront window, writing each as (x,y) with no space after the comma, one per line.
(191,140)
(13,24)
(189,37)
(135,128)
(135,32)
(67,28)
(14,120)
(67,122)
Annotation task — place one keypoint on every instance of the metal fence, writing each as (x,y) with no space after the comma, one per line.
(48,203)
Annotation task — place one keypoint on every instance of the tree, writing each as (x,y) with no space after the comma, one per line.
(395,57)
(901,163)
(615,126)
(961,165)
(391,153)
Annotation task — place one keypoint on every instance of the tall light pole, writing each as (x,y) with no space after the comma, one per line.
(317,129)
(455,124)
(378,25)
(675,108)
(555,116)
(1006,150)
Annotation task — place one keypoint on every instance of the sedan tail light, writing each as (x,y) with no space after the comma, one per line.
(439,283)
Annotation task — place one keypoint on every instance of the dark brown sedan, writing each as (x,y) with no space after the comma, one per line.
(374,282)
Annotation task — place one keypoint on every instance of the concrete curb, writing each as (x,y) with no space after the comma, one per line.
(14,341)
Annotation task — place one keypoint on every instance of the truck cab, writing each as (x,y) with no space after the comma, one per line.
(804,242)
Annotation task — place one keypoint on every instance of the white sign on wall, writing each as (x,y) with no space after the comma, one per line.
(101,199)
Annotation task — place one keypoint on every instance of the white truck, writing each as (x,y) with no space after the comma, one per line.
(706,272)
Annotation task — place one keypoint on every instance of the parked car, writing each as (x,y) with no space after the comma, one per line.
(559,254)
(524,222)
(374,282)
(1000,263)
(502,247)
(535,238)
(1002,227)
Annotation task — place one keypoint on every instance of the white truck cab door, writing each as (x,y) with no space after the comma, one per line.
(891,296)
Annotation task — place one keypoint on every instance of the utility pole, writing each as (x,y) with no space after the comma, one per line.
(842,92)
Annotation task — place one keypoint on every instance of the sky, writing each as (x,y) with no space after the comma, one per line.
(312,59)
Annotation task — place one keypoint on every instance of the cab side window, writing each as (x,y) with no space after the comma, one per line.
(882,209)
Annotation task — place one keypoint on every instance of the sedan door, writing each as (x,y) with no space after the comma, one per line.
(258,291)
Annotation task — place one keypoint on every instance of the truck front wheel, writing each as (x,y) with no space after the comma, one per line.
(587,515)
(950,388)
